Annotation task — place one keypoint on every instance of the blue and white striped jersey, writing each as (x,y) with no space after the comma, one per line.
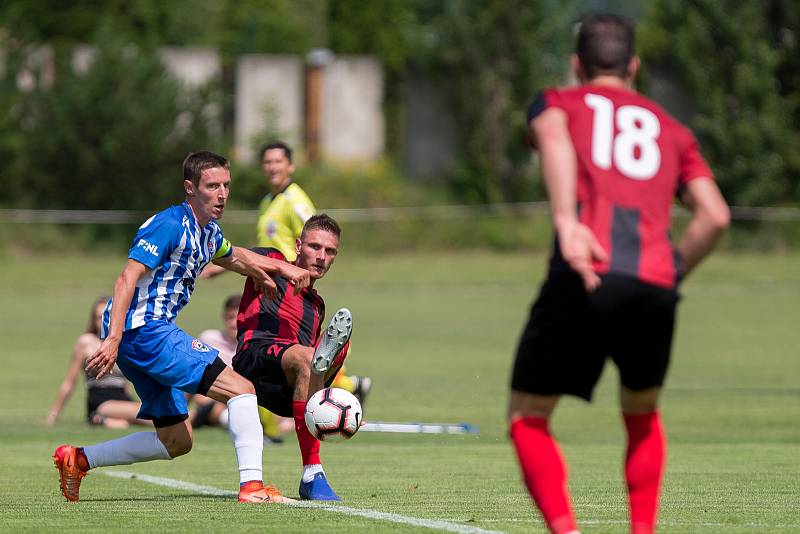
(175,248)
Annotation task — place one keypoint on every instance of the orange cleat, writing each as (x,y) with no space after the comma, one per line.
(256,491)
(70,474)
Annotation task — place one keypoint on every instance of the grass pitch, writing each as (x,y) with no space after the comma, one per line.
(437,334)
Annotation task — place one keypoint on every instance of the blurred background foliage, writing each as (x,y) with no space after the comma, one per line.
(740,64)
(108,138)
(113,137)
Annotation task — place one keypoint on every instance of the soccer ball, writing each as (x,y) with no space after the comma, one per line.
(333,414)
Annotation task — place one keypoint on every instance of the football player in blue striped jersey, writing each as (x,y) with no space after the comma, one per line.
(168,253)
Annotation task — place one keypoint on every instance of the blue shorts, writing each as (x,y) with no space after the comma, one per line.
(162,361)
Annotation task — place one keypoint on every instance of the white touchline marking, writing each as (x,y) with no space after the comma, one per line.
(172,483)
(396,518)
(370,514)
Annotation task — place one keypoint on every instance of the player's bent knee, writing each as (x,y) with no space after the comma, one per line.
(177,439)
(230,384)
(305,364)
(303,370)
(296,363)
(178,448)
(243,386)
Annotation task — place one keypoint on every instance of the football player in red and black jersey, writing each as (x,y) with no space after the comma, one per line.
(613,161)
(283,350)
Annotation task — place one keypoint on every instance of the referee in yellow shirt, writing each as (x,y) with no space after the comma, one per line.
(284,211)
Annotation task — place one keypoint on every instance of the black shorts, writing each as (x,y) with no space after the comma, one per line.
(571,332)
(260,363)
(97,396)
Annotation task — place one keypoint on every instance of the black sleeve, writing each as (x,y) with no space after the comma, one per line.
(537,106)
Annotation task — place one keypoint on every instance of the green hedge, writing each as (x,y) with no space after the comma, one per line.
(504,232)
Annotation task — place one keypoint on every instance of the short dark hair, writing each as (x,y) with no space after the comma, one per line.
(232,302)
(605,45)
(273,145)
(322,221)
(196,162)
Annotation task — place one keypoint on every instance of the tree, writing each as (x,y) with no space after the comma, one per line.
(109,138)
(492,57)
(738,61)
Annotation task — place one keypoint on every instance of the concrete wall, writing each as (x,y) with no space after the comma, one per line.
(83,57)
(192,66)
(38,69)
(430,135)
(352,124)
(269,101)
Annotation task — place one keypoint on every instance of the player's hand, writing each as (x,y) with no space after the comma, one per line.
(102,361)
(297,276)
(580,249)
(265,284)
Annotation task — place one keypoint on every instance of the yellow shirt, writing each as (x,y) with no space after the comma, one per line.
(281,219)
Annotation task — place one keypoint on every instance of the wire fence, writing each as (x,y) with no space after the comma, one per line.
(363,215)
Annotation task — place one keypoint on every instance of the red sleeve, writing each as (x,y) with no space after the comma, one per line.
(553,99)
(693,165)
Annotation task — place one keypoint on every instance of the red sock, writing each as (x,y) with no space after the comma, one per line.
(644,466)
(83,461)
(544,472)
(309,445)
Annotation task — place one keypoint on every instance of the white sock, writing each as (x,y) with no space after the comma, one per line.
(139,447)
(247,436)
(223,419)
(310,470)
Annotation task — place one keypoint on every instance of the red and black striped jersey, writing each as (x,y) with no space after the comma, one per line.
(632,159)
(289,318)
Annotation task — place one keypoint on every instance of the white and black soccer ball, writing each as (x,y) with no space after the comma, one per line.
(333,414)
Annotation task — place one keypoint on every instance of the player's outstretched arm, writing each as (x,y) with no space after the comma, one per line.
(258,267)
(243,261)
(710,218)
(579,246)
(104,358)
